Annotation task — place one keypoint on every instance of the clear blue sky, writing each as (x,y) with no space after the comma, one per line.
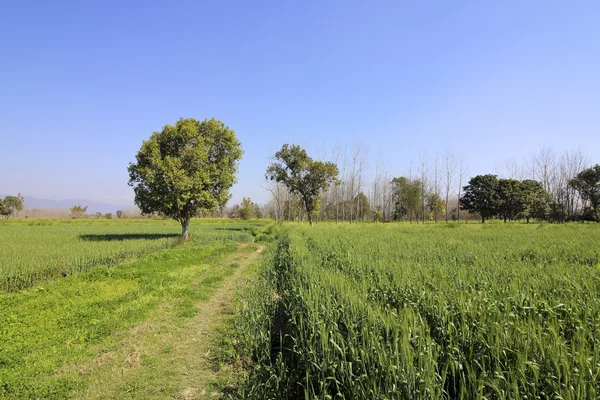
(82,83)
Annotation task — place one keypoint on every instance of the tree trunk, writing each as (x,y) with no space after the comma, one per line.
(185,224)
(483,219)
(446,207)
(309,218)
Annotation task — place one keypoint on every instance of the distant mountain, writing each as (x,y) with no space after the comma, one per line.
(93,206)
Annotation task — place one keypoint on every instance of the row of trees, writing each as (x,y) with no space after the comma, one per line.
(547,186)
(512,199)
(365,190)
(506,198)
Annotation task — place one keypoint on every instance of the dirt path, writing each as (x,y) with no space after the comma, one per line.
(202,329)
(167,357)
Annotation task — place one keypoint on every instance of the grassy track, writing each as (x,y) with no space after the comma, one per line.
(167,357)
(51,332)
(425,312)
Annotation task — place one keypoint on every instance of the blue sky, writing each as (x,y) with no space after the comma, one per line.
(83,83)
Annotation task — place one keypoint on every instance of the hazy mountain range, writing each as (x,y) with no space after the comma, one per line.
(93,206)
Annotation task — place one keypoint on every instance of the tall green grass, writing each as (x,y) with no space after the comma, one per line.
(426,312)
(35,250)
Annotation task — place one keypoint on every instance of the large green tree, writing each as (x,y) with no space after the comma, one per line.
(302,175)
(535,200)
(10,205)
(587,183)
(481,196)
(510,198)
(185,169)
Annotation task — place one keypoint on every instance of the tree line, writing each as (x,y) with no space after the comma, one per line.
(548,186)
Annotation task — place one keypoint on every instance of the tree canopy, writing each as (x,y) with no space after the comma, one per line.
(302,175)
(587,183)
(406,195)
(535,200)
(248,209)
(510,198)
(10,205)
(185,169)
(481,196)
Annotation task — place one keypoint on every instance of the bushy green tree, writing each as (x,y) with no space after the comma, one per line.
(481,196)
(536,201)
(377,217)
(510,198)
(302,175)
(120,214)
(186,169)
(247,208)
(257,211)
(436,206)
(406,194)
(587,183)
(10,205)
(361,204)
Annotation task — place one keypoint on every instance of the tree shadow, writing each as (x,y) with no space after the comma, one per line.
(127,236)
(233,229)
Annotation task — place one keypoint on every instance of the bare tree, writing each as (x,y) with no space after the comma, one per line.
(343,184)
(450,165)
(435,189)
(462,176)
(423,170)
(544,167)
(363,164)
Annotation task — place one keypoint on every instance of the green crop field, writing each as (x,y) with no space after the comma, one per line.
(401,311)
(32,251)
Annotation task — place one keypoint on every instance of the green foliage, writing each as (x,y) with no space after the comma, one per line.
(406,194)
(413,312)
(535,200)
(78,211)
(436,206)
(247,209)
(362,207)
(377,217)
(186,169)
(302,175)
(120,214)
(481,196)
(587,183)
(510,199)
(10,205)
